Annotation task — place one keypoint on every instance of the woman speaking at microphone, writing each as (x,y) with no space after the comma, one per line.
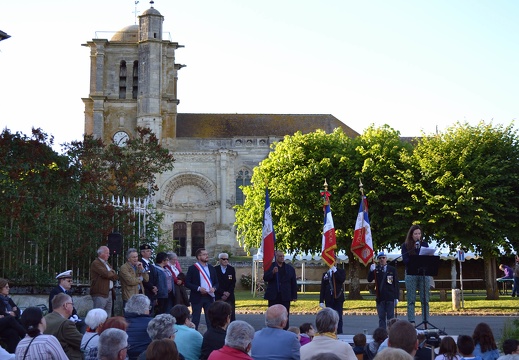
(410,247)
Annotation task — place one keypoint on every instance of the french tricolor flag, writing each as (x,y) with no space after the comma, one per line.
(268,237)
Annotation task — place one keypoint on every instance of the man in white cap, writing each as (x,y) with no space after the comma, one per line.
(386,286)
(64,286)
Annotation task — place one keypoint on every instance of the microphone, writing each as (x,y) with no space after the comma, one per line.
(417,244)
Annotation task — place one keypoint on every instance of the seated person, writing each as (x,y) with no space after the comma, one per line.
(359,343)
(371,349)
(113,344)
(41,346)
(188,340)
(307,333)
(10,329)
(238,342)
(510,350)
(448,349)
(466,347)
(296,331)
(59,325)
(219,314)
(162,349)
(159,328)
(94,320)
(137,314)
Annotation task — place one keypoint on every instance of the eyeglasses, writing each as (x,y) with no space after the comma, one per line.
(71,303)
(382,257)
(224,259)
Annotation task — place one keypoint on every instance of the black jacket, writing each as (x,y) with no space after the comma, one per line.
(328,294)
(284,281)
(386,283)
(214,339)
(226,282)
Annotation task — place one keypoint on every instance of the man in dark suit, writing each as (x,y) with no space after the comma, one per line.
(201,279)
(64,286)
(281,284)
(150,286)
(386,286)
(332,291)
(226,275)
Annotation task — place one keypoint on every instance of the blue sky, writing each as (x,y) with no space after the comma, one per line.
(415,65)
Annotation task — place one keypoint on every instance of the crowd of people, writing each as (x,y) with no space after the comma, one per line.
(157,322)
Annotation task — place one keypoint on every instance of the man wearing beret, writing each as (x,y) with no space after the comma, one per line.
(150,286)
(386,286)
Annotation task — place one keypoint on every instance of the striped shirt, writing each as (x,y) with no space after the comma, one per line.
(44,347)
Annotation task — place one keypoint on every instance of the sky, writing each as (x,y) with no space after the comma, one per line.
(418,66)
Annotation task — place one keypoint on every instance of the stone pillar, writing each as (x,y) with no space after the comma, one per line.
(223,186)
(189,244)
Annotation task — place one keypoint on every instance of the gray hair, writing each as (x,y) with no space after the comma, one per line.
(95,317)
(130,251)
(221,255)
(111,341)
(60,299)
(276,315)
(101,248)
(327,320)
(391,353)
(239,335)
(161,327)
(172,255)
(138,304)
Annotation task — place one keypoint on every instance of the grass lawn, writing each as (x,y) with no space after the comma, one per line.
(308,303)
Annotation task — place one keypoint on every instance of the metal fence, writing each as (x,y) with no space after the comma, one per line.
(67,237)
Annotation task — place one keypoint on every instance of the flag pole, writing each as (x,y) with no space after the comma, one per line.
(361,189)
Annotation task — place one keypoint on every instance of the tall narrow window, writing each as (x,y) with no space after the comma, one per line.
(122,80)
(198,236)
(243,179)
(135,79)
(179,238)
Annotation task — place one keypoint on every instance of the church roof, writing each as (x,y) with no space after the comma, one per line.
(128,34)
(231,125)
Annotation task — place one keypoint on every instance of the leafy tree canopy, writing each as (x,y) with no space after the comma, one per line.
(464,185)
(295,171)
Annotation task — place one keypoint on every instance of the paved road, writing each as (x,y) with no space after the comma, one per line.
(353,324)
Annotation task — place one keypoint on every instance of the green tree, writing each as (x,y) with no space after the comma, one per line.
(58,207)
(295,171)
(121,171)
(465,193)
(35,186)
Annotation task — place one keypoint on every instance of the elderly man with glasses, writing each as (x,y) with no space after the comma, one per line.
(226,275)
(113,344)
(65,331)
(386,287)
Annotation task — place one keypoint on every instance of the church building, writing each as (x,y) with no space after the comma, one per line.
(133,82)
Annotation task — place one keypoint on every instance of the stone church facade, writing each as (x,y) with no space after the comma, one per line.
(133,82)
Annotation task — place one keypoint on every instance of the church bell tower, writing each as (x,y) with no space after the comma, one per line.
(133,82)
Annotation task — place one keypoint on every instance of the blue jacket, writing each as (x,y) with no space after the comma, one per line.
(162,284)
(275,344)
(138,337)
